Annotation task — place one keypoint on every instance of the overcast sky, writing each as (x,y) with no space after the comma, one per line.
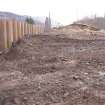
(64,11)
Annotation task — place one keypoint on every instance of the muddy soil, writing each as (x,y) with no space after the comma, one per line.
(51,70)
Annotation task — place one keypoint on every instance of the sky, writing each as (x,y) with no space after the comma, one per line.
(63,11)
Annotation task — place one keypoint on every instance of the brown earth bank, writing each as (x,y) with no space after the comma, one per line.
(53,70)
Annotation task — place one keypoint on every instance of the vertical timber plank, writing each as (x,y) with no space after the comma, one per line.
(3,35)
(9,27)
(15,31)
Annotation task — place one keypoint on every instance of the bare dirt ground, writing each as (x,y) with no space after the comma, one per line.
(51,70)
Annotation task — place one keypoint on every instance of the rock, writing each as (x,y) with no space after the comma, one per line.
(76,77)
(85,73)
(17,100)
(66,94)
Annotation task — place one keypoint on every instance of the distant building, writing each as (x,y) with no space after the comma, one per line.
(48,23)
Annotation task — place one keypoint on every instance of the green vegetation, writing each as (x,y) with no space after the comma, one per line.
(30,20)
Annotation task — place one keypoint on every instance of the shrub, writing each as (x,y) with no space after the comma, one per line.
(29,20)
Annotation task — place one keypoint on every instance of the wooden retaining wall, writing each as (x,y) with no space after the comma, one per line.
(12,31)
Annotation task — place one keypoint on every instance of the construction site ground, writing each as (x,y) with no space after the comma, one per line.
(53,70)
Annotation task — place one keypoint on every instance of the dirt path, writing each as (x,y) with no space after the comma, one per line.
(50,70)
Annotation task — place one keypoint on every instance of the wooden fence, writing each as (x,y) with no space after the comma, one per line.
(13,30)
